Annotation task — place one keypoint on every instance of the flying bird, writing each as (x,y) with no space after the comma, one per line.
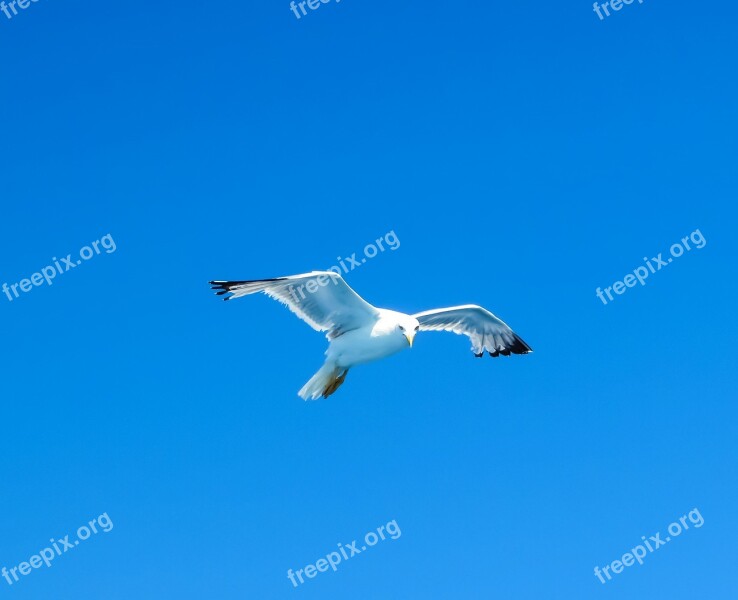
(359,333)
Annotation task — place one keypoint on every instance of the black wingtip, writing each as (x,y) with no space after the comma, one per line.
(518,346)
(224,287)
(221,283)
(221,288)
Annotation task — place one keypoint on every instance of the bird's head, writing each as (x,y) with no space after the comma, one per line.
(408,326)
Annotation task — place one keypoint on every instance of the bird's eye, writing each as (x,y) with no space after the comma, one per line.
(401,328)
(417,327)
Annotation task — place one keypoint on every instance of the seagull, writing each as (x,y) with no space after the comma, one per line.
(359,333)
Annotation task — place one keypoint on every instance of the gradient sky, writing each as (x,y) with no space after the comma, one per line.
(524,154)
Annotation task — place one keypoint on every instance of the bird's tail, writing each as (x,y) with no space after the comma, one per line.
(326,381)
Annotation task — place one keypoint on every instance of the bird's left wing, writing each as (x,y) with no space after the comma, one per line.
(321,298)
(485,330)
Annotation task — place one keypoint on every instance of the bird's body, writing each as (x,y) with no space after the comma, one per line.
(370,342)
(360,333)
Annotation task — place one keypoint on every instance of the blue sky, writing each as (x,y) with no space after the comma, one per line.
(524,154)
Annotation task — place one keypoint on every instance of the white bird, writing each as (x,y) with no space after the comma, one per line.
(360,333)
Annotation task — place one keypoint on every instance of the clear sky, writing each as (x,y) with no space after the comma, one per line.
(523,154)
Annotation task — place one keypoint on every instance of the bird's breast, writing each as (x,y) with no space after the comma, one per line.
(362,346)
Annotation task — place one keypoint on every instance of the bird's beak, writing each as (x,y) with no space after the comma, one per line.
(410,337)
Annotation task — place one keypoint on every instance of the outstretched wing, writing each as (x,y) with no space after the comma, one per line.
(485,331)
(321,298)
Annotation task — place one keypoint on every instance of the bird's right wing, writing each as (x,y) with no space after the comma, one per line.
(321,298)
(484,329)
